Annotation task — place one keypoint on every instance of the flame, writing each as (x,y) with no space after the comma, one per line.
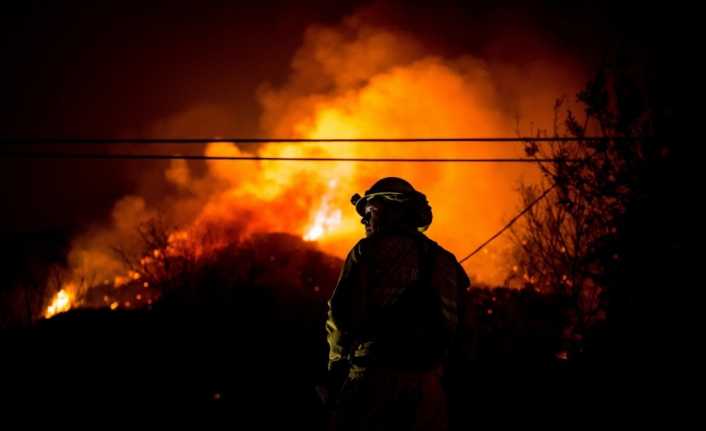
(62,302)
(327,218)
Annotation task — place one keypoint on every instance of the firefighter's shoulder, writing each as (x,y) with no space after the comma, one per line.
(440,251)
(360,249)
(447,261)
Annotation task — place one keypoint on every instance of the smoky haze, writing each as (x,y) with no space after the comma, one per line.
(315,71)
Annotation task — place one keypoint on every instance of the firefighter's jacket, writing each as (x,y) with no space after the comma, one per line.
(396,303)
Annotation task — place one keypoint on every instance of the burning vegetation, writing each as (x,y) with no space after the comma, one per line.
(350,81)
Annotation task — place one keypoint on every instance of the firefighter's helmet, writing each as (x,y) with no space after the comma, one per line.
(401,191)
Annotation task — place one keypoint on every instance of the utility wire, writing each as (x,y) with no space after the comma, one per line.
(97,156)
(31,141)
(507,226)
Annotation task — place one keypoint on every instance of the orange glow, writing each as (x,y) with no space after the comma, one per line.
(327,219)
(351,81)
(61,303)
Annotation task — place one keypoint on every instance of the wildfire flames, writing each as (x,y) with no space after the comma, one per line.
(62,302)
(327,219)
(349,82)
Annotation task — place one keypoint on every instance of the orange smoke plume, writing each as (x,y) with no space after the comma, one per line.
(353,81)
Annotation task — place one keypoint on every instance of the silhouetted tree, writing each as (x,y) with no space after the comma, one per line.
(572,242)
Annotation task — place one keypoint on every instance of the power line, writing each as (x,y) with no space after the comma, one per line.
(507,226)
(32,141)
(98,156)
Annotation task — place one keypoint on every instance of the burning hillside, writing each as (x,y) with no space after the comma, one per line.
(351,81)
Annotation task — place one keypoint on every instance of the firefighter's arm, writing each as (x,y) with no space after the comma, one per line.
(339,322)
(340,308)
(338,365)
(451,282)
(452,294)
(338,340)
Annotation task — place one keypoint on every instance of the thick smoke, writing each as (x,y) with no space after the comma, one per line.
(354,80)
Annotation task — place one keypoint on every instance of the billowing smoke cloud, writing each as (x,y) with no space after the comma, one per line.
(355,81)
(358,81)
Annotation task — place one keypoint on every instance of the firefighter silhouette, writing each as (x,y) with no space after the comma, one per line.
(392,317)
